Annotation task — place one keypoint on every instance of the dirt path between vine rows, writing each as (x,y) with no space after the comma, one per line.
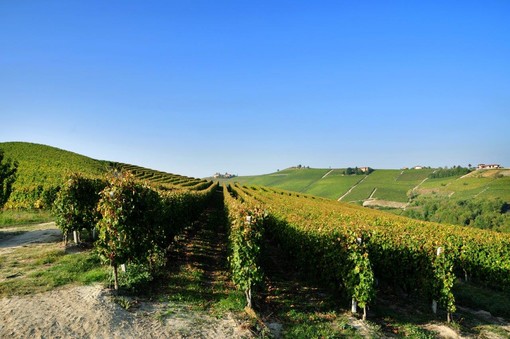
(41,233)
(325,175)
(350,189)
(95,312)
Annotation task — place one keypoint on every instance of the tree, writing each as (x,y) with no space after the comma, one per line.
(8,171)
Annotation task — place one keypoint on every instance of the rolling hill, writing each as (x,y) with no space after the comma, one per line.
(385,185)
(411,192)
(479,199)
(42,169)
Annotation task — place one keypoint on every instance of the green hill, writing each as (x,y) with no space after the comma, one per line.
(480,198)
(291,179)
(388,185)
(385,185)
(493,183)
(42,170)
(391,185)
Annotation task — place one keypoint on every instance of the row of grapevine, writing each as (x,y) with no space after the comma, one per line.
(135,221)
(245,242)
(33,196)
(159,177)
(350,247)
(75,206)
(248,224)
(339,258)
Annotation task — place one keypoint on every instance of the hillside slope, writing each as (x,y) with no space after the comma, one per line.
(42,169)
(381,184)
(492,183)
(385,185)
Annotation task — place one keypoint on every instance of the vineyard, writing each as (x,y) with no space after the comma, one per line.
(385,184)
(136,221)
(344,248)
(356,250)
(134,218)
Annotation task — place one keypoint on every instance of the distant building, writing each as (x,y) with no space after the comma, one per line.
(418,167)
(491,166)
(364,169)
(226,175)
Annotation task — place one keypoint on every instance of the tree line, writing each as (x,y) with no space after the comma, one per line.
(449,172)
(480,213)
(357,171)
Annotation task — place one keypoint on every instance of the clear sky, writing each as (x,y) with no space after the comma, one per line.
(249,87)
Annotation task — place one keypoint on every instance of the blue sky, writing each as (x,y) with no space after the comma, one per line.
(196,87)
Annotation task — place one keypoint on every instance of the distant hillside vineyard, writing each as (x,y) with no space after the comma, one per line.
(480,198)
(385,185)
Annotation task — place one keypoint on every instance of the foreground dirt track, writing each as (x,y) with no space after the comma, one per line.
(41,233)
(89,312)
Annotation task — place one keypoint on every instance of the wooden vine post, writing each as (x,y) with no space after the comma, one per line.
(115,277)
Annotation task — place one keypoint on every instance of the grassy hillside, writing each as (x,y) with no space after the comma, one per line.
(292,179)
(334,184)
(42,170)
(386,185)
(392,185)
(483,184)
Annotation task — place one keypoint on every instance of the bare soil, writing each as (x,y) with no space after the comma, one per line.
(384,203)
(90,312)
(41,233)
